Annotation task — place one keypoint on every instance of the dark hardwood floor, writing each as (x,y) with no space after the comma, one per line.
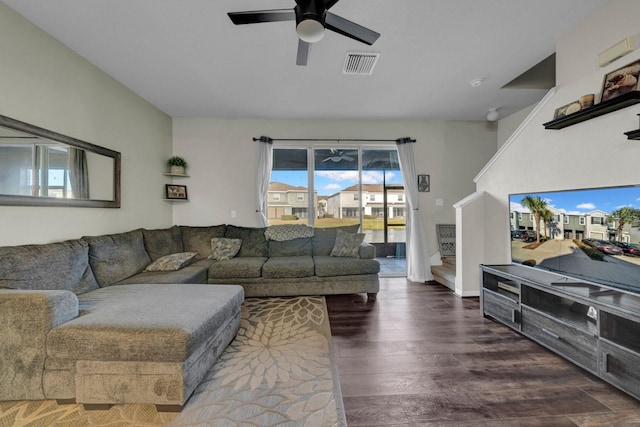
(421,356)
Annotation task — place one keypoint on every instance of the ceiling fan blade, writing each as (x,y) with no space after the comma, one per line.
(258,16)
(328,4)
(350,29)
(303,52)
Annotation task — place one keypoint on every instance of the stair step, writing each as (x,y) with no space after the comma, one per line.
(445,274)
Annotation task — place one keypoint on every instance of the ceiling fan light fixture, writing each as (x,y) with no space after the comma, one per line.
(310,30)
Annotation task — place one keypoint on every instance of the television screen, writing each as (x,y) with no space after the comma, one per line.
(589,234)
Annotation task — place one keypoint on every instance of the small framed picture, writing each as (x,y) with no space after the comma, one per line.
(423,183)
(565,110)
(621,81)
(176,192)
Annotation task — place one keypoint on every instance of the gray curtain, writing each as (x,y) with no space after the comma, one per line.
(78,173)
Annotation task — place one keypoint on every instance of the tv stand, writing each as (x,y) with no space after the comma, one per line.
(594,326)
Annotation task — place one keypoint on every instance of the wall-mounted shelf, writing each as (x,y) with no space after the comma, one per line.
(634,134)
(617,103)
(176,175)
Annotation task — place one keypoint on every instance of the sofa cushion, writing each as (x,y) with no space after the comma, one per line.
(254,244)
(223,248)
(172,262)
(290,266)
(190,274)
(161,242)
(295,247)
(324,238)
(283,232)
(239,267)
(115,257)
(198,239)
(328,266)
(158,323)
(52,266)
(347,245)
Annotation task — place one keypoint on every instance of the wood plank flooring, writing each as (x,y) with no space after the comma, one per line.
(421,356)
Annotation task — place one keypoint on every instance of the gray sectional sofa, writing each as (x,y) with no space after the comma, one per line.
(141,316)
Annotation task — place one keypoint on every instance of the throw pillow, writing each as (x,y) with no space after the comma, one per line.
(284,232)
(324,238)
(347,245)
(172,262)
(223,248)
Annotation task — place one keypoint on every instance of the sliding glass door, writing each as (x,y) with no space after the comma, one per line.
(349,185)
(384,215)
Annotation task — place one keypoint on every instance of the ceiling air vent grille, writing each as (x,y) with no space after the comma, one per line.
(360,64)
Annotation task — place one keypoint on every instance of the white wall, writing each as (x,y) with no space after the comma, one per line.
(594,153)
(509,124)
(222,162)
(44,83)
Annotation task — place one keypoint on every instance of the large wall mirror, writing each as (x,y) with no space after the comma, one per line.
(39,167)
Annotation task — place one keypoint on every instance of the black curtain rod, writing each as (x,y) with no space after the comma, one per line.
(398,141)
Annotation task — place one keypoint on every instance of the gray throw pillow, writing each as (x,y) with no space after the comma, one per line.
(347,245)
(223,248)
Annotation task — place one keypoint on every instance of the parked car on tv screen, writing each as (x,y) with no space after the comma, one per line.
(608,248)
(628,248)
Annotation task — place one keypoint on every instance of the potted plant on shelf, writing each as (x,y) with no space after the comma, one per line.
(177,165)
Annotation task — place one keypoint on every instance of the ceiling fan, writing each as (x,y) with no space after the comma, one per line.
(312,18)
(338,156)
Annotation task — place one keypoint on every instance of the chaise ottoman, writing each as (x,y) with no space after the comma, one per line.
(147,344)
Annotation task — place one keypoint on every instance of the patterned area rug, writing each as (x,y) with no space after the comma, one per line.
(277,372)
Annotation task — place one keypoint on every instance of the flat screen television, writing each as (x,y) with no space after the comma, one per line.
(588,234)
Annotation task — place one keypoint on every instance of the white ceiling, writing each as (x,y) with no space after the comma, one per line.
(188,59)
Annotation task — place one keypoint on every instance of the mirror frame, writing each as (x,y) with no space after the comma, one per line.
(13,200)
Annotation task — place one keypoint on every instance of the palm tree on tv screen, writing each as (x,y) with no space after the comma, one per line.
(547,217)
(624,216)
(537,206)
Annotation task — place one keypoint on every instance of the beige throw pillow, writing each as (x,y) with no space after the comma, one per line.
(172,262)
(223,248)
(347,245)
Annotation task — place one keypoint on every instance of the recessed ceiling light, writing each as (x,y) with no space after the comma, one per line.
(475,82)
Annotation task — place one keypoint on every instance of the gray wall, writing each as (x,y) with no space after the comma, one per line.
(46,84)
(222,159)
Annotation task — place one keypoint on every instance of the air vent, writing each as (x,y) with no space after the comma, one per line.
(360,64)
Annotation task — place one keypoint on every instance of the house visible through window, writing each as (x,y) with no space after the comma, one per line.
(328,183)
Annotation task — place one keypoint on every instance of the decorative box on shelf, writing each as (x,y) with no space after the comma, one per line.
(605,107)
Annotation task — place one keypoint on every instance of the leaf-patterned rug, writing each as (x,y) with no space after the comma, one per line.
(277,372)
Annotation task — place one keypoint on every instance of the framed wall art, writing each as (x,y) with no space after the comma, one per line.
(424,184)
(565,110)
(621,81)
(176,192)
